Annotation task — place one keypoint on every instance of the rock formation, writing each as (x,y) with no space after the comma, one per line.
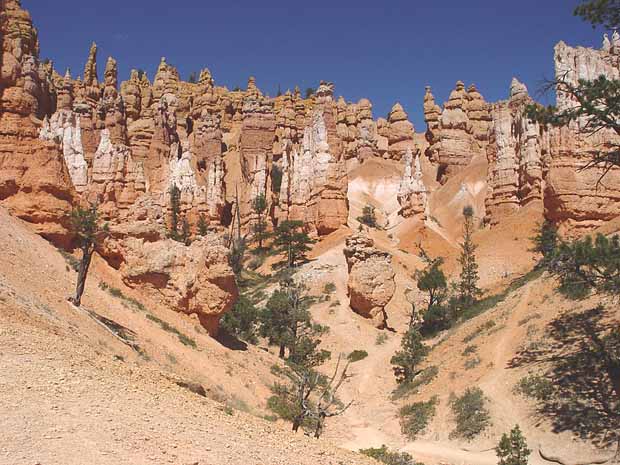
(399,133)
(34,182)
(314,184)
(515,175)
(195,280)
(527,163)
(371,279)
(459,132)
(412,194)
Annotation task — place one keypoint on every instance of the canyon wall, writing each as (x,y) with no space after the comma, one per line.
(530,163)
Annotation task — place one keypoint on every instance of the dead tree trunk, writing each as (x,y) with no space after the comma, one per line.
(87,255)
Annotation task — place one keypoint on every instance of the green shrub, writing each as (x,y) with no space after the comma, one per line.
(472,363)
(127,301)
(471,415)
(368,217)
(329,288)
(424,378)
(469,350)
(381,339)
(415,418)
(188,341)
(384,455)
(535,387)
(527,319)
(479,331)
(357,355)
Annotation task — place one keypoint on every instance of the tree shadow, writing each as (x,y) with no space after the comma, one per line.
(584,401)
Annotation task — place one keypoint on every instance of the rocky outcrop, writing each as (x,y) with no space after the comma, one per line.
(314,183)
(371,279)
(528,163)
(256,148)
(399,133)
(459,132)
(412,194)
(515,156)
(195,280)
(34,182)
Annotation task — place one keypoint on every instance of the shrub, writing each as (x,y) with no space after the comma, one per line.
(368,216)
(188,341)
(381,339)
(424,378)
(535,387)
(471,415)
(472,363)
(357,355)
(329,288)
(384,455)
(413,352)
(415,418)
(470,350)
(527,319)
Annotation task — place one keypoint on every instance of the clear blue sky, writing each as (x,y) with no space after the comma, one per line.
(386,51)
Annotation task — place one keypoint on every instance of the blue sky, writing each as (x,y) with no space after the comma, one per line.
(386,51)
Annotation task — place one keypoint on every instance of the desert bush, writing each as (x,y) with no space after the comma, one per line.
(384,455)
(357,355)
(369,218)
(185,340)
(415,418)
(381,339)
(424,378)
(471,415)
(535,387)
(472,363)
(470,350)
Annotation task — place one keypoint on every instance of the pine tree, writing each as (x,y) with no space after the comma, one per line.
(287,323)
(175,210)
(546,241)
(292,241)
(242,320)
(85,224)
(512,449)
(407,360)
(468,284)
(259,206)
(185,232)
(203,226)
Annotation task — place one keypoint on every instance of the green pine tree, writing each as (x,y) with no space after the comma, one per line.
(86,227)
(468,284)
(512,449)
(292,241)
(407,360)
(546,241)
(175,211)
(259,206)
(203,225)
(287,323)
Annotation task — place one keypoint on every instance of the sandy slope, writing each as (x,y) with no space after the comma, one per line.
(72,394)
